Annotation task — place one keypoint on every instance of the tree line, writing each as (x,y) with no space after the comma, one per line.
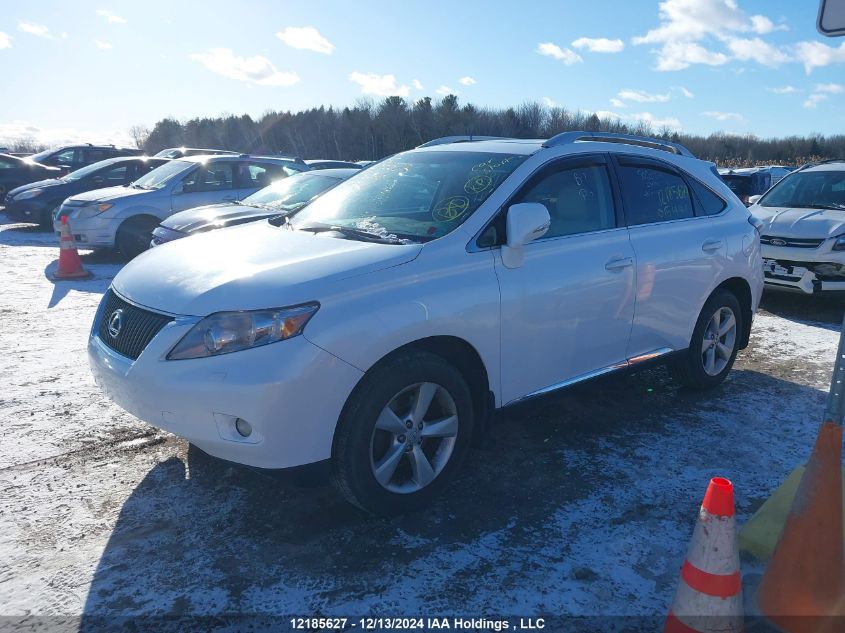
(371,130)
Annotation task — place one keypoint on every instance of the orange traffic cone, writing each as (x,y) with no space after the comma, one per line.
(70,265)
(709,594)
(803,587)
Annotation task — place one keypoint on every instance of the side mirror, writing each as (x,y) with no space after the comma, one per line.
(754,199)
(526,221)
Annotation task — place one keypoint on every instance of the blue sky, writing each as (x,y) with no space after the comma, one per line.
(90,70)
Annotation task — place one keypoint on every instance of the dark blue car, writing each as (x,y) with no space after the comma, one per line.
(15,171)
(36,201)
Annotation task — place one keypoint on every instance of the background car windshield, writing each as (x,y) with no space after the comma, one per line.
(160,176)
(291,192)
(78,174)
(417,195)
(808,189)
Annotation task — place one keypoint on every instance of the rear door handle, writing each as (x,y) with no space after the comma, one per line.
(711,246)
(619,263)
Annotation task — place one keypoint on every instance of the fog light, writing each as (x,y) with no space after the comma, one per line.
(243,427)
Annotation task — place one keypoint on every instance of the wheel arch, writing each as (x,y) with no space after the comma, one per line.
(741,289)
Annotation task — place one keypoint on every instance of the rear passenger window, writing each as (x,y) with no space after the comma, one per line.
(579,199)
(708,202)
(653,195)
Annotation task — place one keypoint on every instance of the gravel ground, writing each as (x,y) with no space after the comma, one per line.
(579,504)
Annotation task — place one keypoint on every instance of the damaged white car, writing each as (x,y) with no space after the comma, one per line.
(803,230)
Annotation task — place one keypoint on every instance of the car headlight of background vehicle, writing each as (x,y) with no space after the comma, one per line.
(226,332)
(29,193)
(89,211)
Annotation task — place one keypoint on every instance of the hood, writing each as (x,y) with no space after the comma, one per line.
(250,267)
(215,216)
(800,223)
(109,193)
(41,184)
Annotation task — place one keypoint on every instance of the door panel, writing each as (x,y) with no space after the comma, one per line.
(567,310)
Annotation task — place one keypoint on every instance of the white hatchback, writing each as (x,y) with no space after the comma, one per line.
(380,328)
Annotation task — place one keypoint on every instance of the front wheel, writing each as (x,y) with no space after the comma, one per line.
(134,235)
(714,344)
(403,434)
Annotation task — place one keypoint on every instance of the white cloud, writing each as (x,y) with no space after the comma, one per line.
(689,28)
(256,70)
(381,85)
(599,45)
(688,94)
(608,115)
(831,89)
(307,38)
(814,100)
(104,46)
(785,90)
(5,40)
(467,81)
(38,30)
(551,103)
(52,137)
(112,18)
(417,84)
(816,55)
(643,97)
(647,117)
(723,116)
(565,55)
(617,103)
(445,90)
(757,50)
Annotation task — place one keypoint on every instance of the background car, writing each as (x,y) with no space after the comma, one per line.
(15,172)
(747,182)
(803,229)
(124,217)
(331,164)
(180,152)
(72,157)
(283,197)
(37,201)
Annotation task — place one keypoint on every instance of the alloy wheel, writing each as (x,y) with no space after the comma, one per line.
(718,342)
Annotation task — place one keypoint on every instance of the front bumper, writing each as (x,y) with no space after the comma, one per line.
(29,210)
(93,232)
(291,393)
(810,277)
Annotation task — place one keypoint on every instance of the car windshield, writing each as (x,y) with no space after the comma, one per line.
(291,192)
(160,176)
(168,153)
(37,158)
(82,172)
(418,196)
(808,189)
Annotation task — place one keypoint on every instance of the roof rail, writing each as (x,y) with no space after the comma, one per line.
(446,140)
(612,137)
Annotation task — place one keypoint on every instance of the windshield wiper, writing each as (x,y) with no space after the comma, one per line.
(828,205)
(350,232)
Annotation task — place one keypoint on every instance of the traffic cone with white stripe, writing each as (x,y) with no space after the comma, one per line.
(70,264)
(709,594)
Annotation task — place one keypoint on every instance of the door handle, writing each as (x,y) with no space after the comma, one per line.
(618,263)
(711,246)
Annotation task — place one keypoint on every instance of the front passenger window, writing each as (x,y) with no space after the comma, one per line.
(579,199)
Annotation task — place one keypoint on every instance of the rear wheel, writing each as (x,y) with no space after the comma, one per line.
(403,434)
(134,235)
(714,344)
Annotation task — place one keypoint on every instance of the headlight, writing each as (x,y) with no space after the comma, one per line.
(226,332)
(30,193)
(839,244)
(90,211)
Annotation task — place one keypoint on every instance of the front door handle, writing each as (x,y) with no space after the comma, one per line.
(711,246)
(618,263)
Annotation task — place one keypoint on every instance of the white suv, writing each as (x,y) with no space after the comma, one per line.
(803,229)
(380,327)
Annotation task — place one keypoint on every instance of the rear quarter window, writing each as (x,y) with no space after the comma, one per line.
(707,202)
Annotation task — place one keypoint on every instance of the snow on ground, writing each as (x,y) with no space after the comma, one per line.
(581,503)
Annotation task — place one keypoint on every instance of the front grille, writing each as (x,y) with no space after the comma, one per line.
(137,326)
(789,242)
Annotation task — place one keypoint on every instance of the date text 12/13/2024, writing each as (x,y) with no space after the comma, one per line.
(414,624)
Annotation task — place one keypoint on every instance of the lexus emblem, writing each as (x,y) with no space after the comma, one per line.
(778,242)
(115,323)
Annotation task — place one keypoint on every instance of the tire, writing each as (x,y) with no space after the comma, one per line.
(45,222)
(134,235)
(363,445)
(711,355)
